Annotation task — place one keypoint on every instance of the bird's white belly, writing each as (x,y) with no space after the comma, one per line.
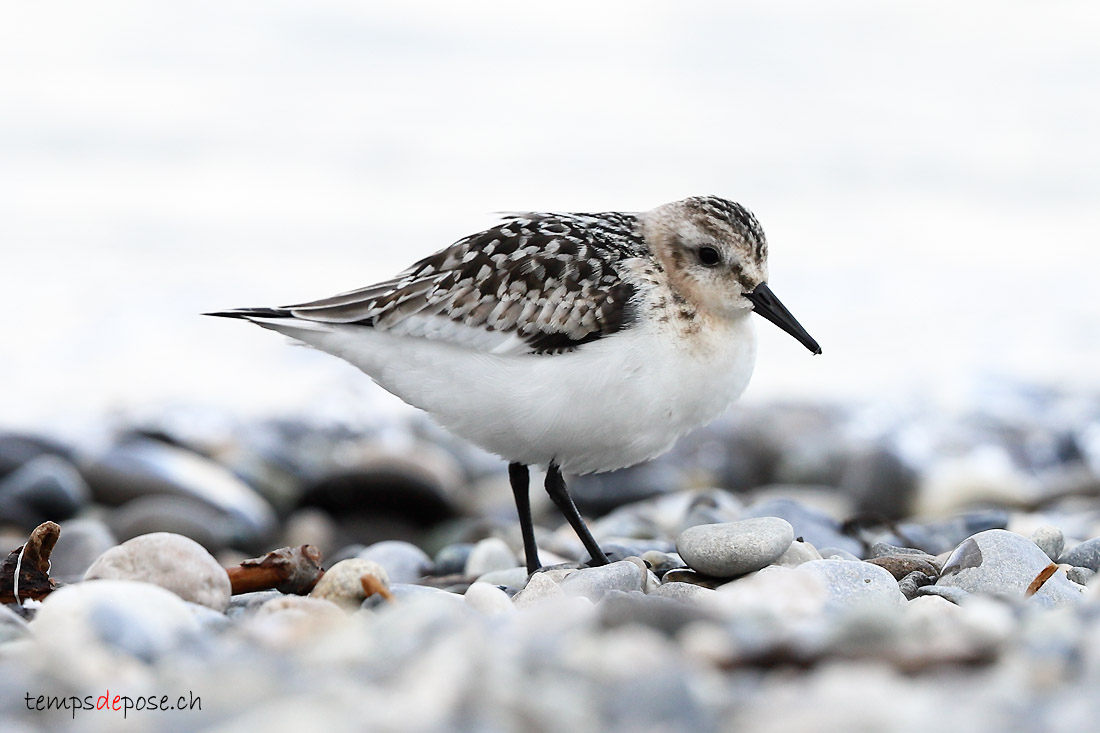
(610,404)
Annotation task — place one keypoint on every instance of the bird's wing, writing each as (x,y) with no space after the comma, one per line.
(536,283)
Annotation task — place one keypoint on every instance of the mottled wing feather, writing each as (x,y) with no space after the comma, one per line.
(552,280)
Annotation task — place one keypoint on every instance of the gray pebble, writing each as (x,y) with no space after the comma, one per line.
(951,593)
(1084,555)
(404,562)
(171,561)
(244,604)
(913,582)
(595,583)
(139,619)
(1050,540)
(45,488)
(143,467)
(799,552)
(540,587)
(410,593)
(734,548)
(662,562)
(854,584)
(512,578)
(492,553)
(836,553)
(451,559)
(684,592)
(1081,576)
(813,525)
(80,543)
(999,562)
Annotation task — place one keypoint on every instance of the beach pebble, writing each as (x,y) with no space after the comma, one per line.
(913,582)
(46,488)
(489,599)
(539,587)
(451,559)
(855,585)
(136,618)
(1050,540)
(343,582)
(734,548)
(80,543)
(405,593)
(244,604)
(289,620)
(684,592)
(171,561)
(799,552)
(140,467)
(491,553)
(811,524)
(999,562)
(512,578)
(595,583)
(403,562)
(1084,555)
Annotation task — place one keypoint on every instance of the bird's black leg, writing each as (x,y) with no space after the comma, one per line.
(559,494)
(521,479)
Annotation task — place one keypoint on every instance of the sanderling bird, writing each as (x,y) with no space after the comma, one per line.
(579,342)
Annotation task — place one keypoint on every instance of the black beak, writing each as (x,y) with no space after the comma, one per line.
(766,304)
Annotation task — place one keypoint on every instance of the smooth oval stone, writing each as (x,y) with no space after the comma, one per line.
(1050,540)
(171,561)
(46,488)
(404,562)
(999,562)
(854,584)
(734,548)
(913,582)
(80,543)
(244,604)
(343,582)
(683,592)
(539,587)
(595,583)
(451,559)
(18,449)
(139,619)
(813,525)
(410,593)
(141,467)
(492,553)
(488,599)
(1084,555)
(799,552)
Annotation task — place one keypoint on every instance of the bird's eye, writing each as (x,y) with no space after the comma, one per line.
(709,256)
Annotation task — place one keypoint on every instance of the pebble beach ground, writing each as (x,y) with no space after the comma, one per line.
(793,567)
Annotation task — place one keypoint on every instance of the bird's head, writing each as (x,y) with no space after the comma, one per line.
(716,256)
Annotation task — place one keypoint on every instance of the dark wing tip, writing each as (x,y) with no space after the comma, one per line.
(252,313)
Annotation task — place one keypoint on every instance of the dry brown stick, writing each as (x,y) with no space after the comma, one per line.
(288,569)
(25,572)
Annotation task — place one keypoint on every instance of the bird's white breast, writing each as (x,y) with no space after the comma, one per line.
(609,404)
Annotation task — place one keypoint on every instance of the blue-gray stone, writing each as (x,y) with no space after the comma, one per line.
(403,562)
(734,548)
(1084,555)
